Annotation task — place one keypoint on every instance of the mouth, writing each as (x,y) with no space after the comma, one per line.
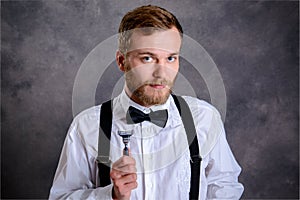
(157,86)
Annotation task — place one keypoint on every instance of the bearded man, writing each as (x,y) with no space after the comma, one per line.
(160,164)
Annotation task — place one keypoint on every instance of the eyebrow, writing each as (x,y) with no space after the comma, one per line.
(152,54)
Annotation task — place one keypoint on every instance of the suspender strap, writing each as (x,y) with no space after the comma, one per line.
(190,130)
(104,143)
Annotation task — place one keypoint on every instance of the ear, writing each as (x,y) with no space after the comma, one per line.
(120,58)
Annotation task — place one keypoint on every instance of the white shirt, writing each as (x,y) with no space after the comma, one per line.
(161,154)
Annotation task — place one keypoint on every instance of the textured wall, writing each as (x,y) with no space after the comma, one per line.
(253,43)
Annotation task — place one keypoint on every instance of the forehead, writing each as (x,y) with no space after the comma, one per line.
(168,40)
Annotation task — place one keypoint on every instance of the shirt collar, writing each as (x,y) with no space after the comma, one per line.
(122,103)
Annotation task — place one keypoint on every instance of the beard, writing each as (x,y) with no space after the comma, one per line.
(146,95)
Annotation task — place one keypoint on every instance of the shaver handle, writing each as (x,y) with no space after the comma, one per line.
(126,151)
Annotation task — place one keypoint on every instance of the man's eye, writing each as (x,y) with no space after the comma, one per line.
(171,58)
(147,59)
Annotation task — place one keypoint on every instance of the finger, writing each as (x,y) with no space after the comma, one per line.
(114,174)
(125,190)
(118,173)
(128,169)
(123,161)
(130,186)
(128,179)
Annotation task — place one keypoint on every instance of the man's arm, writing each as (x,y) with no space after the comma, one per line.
(76,176)
(222,172)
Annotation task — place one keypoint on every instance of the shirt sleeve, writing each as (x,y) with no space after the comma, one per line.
(76,172)
(222,172)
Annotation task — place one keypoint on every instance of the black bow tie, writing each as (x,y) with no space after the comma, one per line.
(158,118)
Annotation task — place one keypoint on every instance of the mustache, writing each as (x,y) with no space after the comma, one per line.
(159,82)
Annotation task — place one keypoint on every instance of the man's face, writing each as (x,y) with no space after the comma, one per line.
(151,66)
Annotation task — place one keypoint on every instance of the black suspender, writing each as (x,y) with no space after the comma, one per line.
(188,122)
(104,143)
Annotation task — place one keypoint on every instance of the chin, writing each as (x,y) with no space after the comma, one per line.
(155,97)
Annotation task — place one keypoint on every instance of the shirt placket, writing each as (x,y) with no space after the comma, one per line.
(147,147)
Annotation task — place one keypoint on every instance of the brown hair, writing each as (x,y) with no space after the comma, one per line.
(148,19)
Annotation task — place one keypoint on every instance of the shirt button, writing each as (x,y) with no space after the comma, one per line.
(146,110)
(150,185)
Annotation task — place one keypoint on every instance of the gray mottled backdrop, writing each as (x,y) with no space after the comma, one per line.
(253,43)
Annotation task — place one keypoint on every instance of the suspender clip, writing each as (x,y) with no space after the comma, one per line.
(103,159)
(196,159)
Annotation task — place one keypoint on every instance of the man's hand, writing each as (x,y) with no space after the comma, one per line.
(123,175)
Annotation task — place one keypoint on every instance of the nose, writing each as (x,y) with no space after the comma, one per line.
(160,70)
